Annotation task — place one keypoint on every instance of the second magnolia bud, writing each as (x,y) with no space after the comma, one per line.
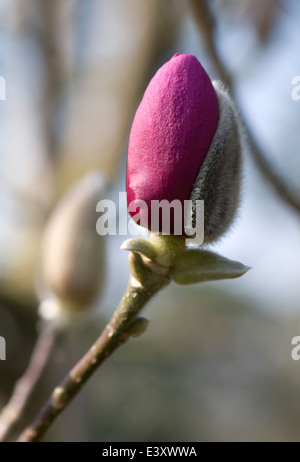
(73,254)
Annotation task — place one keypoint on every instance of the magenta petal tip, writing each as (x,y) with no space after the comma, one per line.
(171,133)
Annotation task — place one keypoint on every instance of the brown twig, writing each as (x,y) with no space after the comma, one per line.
(206,25)
(117,332)
(45,34)
(24,388)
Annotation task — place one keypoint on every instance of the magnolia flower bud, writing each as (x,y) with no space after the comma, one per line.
(185,145)
(72,252)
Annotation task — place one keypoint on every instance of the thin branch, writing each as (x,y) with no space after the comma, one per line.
(26,385)
(284,191)
(206,25)
(45,34)
(116,333)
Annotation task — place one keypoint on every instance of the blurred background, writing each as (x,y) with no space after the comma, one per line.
(215,363)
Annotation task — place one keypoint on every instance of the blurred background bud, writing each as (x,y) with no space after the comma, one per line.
(73,254)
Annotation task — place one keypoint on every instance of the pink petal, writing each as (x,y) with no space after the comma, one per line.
(171,133)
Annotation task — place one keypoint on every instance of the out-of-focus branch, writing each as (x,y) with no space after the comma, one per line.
(120,328)
(206,23)
(26,385)
(46,35)
(285,192)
